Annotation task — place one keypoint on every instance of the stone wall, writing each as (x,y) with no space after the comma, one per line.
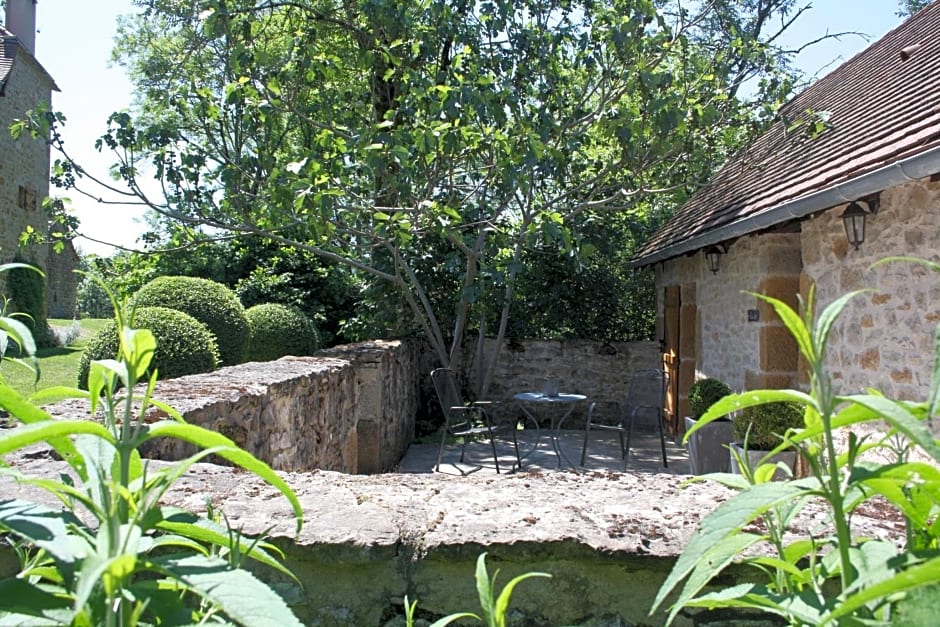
(353,408)
(884,338)
(24,183)
(600,371)
(730,324)
(608,540)
(353,412)
(62,283)
(388,380)
(24,163)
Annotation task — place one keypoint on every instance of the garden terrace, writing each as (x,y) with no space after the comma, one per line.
(608,539)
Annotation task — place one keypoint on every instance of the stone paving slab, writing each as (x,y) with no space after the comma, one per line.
(603,454)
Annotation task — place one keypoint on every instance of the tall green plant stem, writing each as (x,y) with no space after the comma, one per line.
(823,392)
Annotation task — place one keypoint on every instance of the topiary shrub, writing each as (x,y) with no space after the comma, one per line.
(209,302)
(26,289)
(767,423)
(276,330)
(184,345)
(704,393)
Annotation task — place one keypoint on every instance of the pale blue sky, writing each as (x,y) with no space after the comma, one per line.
(74,45)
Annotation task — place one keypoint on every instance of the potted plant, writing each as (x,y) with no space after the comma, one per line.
(708,446)
(761,427)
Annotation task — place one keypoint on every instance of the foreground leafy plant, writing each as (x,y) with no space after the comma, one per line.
(493,607)
(832,577)
(114,555)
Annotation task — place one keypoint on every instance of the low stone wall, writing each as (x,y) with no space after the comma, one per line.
(600,371)
(351,409)
(608,540)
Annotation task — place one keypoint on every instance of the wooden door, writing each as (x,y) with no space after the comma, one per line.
(672,303)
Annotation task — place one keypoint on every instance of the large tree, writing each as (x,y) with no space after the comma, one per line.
(430,144)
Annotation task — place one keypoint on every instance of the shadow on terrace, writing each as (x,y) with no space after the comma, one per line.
(603,455)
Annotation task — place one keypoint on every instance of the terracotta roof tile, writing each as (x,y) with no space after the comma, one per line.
(882,109)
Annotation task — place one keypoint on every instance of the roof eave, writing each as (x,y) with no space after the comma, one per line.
(912,168)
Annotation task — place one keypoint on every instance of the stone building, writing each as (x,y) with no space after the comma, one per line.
(863,140)
(24,163)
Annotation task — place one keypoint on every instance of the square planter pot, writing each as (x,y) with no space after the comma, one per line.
(787,457)
(708,447)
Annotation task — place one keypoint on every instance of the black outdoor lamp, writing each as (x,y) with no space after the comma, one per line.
(853,219)
(713,257)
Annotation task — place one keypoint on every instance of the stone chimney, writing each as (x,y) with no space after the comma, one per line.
(21,21)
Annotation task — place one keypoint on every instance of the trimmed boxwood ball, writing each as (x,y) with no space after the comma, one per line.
(277,330)
(209,302)
(704,393)
(184,345)
(767,423)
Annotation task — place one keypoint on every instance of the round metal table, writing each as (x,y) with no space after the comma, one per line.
(529,401)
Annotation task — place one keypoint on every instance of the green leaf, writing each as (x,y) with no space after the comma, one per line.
(44,527)
(794,325)
(56,392)
(238,593)
(138,346)
(18,596)
(50,430)
(29,414)
(735,402)
(101,374)
(712,562)
(205,438)
(899,416)
(209,532)
(828,317)
(450,618)
(19,333)
(933,403)
(727,519)
(485,587)
(502,602)
(923,574)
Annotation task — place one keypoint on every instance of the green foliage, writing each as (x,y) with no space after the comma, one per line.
(704,393)
(763,426)
(112,555)
(833,577)
(493,607)
(185,345)
(278,330)
(93,299)
(587,291)
(209,302)
(15,335)
(398,140)
(27,295)
(907,8)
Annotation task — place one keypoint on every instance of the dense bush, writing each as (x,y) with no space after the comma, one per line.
(704,393)
(93,301)
(767,423)
(278,330)
(26,289)
(209,302)
(184,345)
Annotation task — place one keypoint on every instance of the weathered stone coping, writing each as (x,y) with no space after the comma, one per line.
(609,539)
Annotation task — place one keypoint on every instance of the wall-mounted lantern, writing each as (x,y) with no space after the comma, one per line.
(854,216)
(713,257)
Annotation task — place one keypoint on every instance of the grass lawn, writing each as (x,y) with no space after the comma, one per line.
(57,366)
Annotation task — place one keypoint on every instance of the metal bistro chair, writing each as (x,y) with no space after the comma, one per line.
(646,395)
(462,420)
